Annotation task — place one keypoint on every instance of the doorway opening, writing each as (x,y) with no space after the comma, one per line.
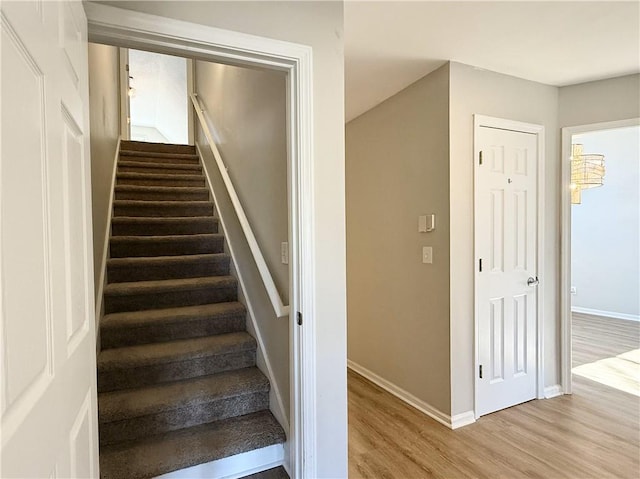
(158,97)
(601,261)
(112,27)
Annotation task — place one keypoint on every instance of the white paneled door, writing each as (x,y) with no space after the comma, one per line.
(47,363)
(506,267)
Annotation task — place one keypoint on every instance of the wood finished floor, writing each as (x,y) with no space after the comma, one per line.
(592,434)
(595,337)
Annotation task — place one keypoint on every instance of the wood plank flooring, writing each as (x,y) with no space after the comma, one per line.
(592,434)
(595,337)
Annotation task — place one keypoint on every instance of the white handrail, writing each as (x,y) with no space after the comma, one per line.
(280,309)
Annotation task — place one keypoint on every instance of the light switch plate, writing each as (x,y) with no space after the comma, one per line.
(427,254)
(422,224)
(284,252)
(426,223)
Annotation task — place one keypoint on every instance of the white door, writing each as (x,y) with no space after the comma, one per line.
(506,263)
(47,367)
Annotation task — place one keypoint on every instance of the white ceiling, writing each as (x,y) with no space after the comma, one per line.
(391,44)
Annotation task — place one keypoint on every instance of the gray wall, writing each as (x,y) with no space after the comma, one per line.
(600,101)
(605,227)
(398,308)
(319,25)
(483,92)
(105,129)
(246,110)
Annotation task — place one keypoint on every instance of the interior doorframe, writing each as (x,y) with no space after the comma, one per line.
(123,59)
(565,240)
(538,130)
(130,29)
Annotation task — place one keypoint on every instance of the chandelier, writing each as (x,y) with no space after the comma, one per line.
(587,171)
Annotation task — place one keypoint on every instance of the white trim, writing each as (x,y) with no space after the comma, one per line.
(191,89)
(538,130)
(565,239)
(123,90)
(553,391)
(459,420)
(606,314)
(278,411)
(276,301)
(463,419)
(102,279)
(114,26)
(233,467)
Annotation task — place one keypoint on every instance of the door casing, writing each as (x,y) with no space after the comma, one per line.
(565,240)
(130,29)
(538,130)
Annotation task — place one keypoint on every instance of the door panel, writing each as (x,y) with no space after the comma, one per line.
(506,232)
(47,328)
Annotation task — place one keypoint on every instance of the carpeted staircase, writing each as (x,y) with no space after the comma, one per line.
(177,377)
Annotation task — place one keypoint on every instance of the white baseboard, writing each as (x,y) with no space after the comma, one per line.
(463,419)
(233,467)
(606,314)
(457,421)
(553,391)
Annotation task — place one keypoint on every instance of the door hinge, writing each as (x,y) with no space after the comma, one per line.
(299,318)
(480,155)
(480,371)
(480,265)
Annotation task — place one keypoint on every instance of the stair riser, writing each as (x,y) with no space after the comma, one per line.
(168,299)
(196,181)
(195,415)
(169,228)
(126,249)
(159,159)
(158,170)
(157,211)
(150,272)
(116,379)
(155,333)
(157,147)
(162,196)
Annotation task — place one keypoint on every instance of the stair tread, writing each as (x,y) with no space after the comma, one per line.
(190,446)
(166,166)
(143,261)
(160,203)
(174,351)
(165,237)
(158,154)
(130,403)
(166,285)
(158,189)
(135,319)
(157,176)
(164,219)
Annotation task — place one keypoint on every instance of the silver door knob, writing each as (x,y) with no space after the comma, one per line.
(533,281)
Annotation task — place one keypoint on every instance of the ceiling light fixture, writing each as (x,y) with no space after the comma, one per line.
(587,171)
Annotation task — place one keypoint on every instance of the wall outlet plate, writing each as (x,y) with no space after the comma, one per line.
(427,254)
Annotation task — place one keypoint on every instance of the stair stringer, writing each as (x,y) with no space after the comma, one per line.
(102,280)
(263,363)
